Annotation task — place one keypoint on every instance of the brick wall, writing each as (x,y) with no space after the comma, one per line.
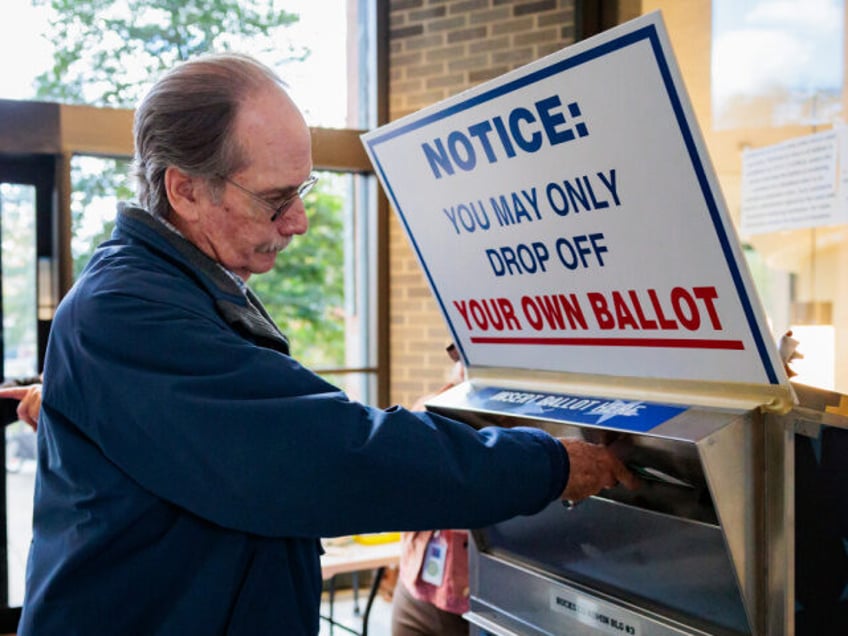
(437,49)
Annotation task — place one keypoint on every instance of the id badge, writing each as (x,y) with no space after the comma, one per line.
(433,569)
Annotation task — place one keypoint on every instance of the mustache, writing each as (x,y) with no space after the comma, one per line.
(276,246)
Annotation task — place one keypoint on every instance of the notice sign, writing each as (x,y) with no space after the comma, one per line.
(567,219)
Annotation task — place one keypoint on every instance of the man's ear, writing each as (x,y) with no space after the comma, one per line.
(183,192)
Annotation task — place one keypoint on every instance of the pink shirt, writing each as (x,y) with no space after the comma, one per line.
(452,594)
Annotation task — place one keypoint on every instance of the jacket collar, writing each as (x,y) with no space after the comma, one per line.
(236,303)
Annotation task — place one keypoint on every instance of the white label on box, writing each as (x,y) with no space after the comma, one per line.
(600,616)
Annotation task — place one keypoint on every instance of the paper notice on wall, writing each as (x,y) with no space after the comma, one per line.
(794,184)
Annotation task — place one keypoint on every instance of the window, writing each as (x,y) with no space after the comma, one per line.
(776,63)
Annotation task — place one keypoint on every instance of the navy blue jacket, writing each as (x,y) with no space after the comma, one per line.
(188,464)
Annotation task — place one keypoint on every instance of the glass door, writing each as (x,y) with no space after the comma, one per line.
(26,310)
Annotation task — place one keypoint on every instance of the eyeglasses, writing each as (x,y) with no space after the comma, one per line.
(302,190)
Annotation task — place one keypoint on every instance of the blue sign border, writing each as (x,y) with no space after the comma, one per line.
(649,33)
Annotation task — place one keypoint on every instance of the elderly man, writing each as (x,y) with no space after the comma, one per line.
(187,462)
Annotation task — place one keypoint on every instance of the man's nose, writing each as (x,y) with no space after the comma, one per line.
(294,221)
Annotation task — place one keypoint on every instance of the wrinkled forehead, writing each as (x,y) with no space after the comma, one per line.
(270,127)
(269,108)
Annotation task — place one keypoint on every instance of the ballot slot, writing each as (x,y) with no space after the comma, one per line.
(668,463)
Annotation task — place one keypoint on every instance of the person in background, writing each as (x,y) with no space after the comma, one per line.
(187,463)
(20,440)
(428,600)
(28,394)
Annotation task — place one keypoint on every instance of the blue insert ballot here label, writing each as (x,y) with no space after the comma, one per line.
(626,415)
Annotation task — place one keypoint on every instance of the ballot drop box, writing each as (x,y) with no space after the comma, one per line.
(706,545)
(573,233)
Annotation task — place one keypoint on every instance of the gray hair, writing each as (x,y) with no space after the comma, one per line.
(187,120)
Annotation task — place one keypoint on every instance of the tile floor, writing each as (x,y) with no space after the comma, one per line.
(379,623)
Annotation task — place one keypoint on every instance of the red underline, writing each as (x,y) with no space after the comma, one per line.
(668,343)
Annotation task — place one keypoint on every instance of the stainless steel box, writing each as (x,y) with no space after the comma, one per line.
(705,546)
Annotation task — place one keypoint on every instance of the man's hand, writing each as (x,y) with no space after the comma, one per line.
(30,397)
(593,468)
